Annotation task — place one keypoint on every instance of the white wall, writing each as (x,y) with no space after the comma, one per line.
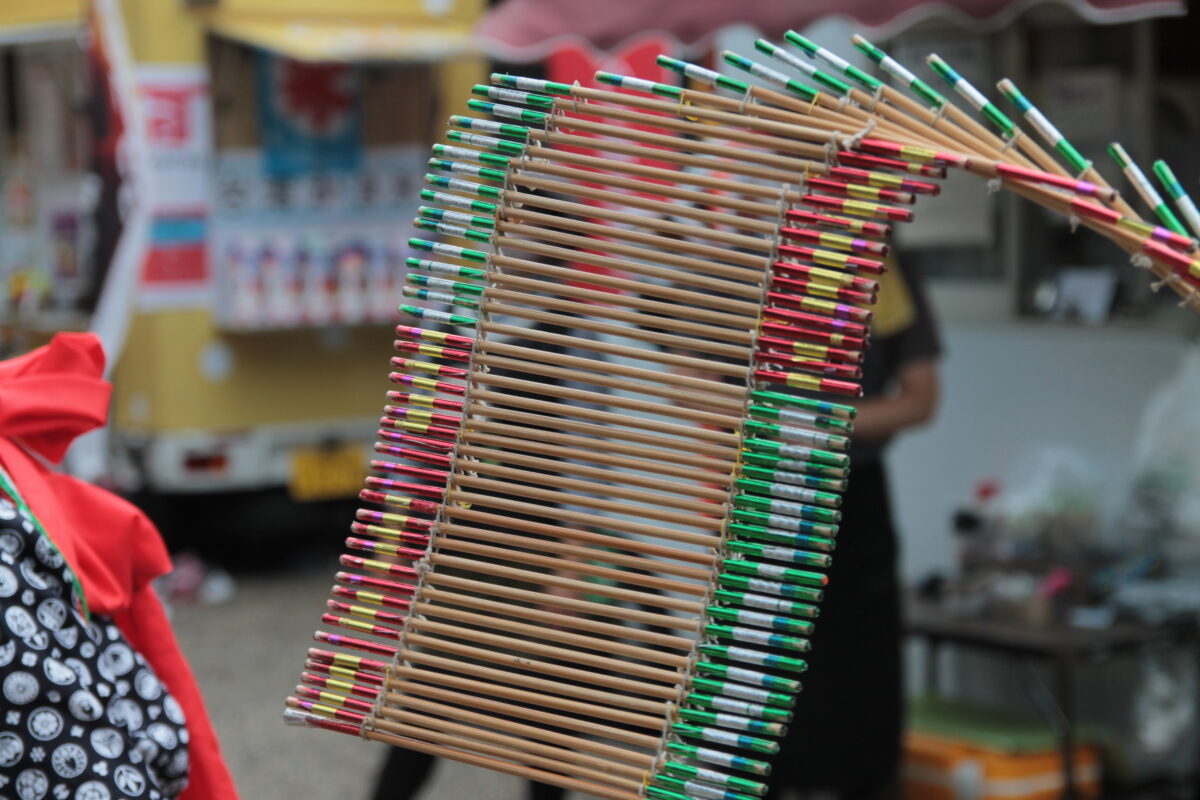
(1007,387)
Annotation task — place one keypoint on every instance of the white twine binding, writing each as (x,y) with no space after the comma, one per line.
(1009,142)
(575,97)
(843,102)
(660,750)
(876,96)
(994,185)
(855,141)
(1087,166)
(746,99)
(831,148)
(939,114)
(1141,261)
(1073,220)
(368,723)
(1190,298)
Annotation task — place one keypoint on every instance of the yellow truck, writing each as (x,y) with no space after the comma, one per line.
(222,190)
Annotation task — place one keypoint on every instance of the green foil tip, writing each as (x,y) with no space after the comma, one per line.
(801,42)
(869,50)
(1118,155)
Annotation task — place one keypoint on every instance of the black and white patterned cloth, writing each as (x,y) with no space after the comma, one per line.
(83,715)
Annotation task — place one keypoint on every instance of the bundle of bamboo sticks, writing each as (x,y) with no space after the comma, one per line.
(592,548)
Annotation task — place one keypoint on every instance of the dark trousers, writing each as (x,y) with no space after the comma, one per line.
(845,736)
(405,773)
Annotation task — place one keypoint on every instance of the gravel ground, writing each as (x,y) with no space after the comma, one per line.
(247,655)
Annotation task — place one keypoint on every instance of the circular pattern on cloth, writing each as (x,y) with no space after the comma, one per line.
(83,715)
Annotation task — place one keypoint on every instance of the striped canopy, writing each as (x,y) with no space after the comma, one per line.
(528,30)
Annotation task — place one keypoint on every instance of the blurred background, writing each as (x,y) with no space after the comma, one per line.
(223,189)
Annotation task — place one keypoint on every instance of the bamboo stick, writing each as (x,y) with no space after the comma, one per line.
(520,748)
(683,159)
(468,739)
(613,703)
(559,619)
(613,476)
(767,212)
(713,464)
(793,118)
(759,244)
(606,232)
(722,188)
(580,343)
(715,437)
(616,401)
(763,245)
(646,599)
(659,468)
(1127,240)
(652,722)
(610,348)
(577,186)
(518,473)
(716,325)
(686,270)
(577,376)
(746,267)
(652,618)
(827,113)
(582,553)
(519,770)
(510,415)
(455,545)
(634,330)
(498,708)
(790,165)
(514,661)
(791,107)
(700,385)
(583,518)
(733,315)
(679,518)
(487,621)
(765,134)
(397,703)
(1039,194)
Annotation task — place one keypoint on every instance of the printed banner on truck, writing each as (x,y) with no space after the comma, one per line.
(178,133)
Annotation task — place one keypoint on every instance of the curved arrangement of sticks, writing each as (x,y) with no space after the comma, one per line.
(593,545)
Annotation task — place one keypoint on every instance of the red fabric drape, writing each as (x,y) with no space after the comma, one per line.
(47,398)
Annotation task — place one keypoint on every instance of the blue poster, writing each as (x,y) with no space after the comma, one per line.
(310,116)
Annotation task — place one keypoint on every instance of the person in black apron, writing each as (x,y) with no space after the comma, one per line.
(846,734)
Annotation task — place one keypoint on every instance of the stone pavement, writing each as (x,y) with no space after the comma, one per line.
(247,655)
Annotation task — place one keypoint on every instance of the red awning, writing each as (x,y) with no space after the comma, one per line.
(527,30)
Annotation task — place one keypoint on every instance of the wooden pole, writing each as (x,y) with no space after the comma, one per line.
(660,468)
(588,607)
(616,401)
(587,677)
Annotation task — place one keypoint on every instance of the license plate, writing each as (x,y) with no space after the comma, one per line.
(326,473)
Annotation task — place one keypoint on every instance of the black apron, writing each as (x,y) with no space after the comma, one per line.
(848,719)
(83,715)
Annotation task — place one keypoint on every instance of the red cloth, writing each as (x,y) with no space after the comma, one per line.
(47,398)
